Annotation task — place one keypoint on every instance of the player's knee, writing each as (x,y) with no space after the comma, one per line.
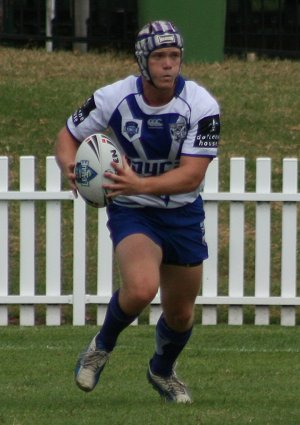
(180,320)
(141,292)
(145,295)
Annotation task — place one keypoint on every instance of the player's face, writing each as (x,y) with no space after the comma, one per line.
(164,66)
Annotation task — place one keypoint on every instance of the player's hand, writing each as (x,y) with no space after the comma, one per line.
(69,173)
(124,181)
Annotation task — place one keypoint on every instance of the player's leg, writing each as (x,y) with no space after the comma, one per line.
(179,289)
(139,261)
(180,286)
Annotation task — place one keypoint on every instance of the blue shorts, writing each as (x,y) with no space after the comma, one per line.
(178,231)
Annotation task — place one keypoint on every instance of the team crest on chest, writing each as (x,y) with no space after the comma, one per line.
(131,129)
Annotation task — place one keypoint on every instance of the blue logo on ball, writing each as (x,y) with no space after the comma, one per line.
(84,173)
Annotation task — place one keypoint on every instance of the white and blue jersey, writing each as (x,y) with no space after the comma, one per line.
(152,138)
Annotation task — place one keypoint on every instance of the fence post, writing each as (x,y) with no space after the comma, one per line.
(236,240)
(4,249)
(262,239)
(210,266)
(53,242)
(50,15)
(289,241)
(27,239)
(105,277)
(82,14)
(79,262)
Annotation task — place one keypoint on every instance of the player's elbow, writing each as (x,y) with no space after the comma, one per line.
(193,171)
(193,181)
(192,186)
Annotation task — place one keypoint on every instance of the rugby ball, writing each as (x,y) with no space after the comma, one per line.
(94,156)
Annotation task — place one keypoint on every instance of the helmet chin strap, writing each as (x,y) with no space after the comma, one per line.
(150,80)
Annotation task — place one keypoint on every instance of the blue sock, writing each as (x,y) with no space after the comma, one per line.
(169,345)
(114,323)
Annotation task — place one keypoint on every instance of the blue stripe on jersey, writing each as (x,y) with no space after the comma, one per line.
(179,85)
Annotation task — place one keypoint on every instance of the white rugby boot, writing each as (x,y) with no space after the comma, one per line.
(89,366)
(169,388)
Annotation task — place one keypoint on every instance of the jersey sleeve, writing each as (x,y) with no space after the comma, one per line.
(204,133)
(87,119)
(94,115)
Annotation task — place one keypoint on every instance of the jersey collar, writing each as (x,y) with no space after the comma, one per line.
(180,82)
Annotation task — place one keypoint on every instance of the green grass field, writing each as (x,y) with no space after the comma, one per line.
(237,375)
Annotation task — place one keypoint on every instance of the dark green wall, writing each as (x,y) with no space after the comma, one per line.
(202,24)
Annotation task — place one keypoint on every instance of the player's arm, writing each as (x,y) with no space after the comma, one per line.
(186,178)
(65,152)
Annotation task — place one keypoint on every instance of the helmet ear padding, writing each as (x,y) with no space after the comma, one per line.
(155,35)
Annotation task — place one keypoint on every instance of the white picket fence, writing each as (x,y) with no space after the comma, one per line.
(209,299)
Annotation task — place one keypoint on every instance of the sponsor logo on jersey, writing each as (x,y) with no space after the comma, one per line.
(84,173)
(82,113)
(152,168)
(155,123)
(208,133)
(131,129)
